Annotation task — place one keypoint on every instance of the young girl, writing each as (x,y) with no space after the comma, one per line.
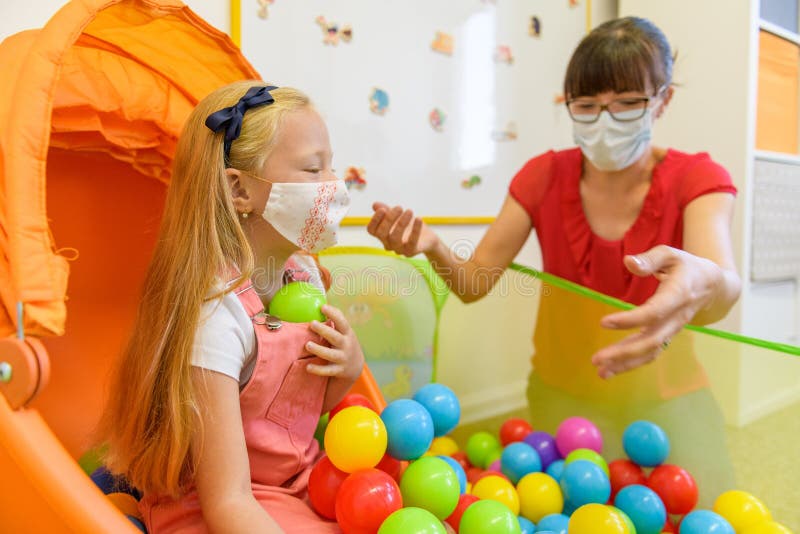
(215,402)
(645,224)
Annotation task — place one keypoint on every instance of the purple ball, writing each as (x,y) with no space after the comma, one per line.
(545,445)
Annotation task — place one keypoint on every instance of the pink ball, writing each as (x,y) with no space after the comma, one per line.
(494,466)
(578,433)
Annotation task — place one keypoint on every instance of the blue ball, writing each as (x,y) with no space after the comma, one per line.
(526,526)
(645,443)
(705,522)
(409,429)
(555,523)
(643,506)
(556,469)
(442,404)
(585,482)
(462,476)
(519,459)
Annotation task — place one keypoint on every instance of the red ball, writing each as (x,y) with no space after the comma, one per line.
(464,500)
(461,457)
(391,466)
(675,486)
(514,429)
(352,399)
(623,473)
(366,498)
(473,473)
(669,527)
(323,485)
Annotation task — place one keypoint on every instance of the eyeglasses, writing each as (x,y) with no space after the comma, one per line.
(622,109)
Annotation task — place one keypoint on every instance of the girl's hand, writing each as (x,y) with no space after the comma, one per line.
(400,231)
(344,356)
(688,284)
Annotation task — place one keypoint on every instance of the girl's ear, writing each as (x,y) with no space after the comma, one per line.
(665,102)
(242,202)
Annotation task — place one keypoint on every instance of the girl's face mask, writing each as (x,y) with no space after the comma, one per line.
(308,213)
(613,145)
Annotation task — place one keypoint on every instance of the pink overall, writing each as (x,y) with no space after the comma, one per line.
(280,405)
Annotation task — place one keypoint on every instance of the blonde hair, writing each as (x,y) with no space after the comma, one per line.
(152,415)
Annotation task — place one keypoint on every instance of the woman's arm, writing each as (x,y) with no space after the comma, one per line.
(697,285)
(469,278)
(223,469)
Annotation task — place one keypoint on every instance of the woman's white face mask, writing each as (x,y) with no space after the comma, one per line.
(308,213)
(613,145)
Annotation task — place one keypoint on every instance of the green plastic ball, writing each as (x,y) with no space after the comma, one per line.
(487,515)
(411,519)
(298,302)
(431,483)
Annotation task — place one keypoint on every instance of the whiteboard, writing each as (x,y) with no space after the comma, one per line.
(405,159)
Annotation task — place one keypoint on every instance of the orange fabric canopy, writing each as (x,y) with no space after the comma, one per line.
(112,76)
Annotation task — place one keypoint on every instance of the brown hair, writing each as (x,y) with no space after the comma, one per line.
(152,415)
(626,54)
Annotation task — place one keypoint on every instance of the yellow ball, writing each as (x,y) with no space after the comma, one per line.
(443,446)
(767,527)
(498,489)
(355,439)
(597,519)
(539,495)
(741,509)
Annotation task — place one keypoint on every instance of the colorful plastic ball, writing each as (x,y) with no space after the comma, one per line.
(474,473)
(355,439)
(497,489)
(741,509)
(464,501)
(767,527)
(526,526)
(392,466)
(431,483)
(539,495)
(557,523)
(643,506)
(583,482)
(412,519)
(322,425)
(675,486)
(645,443)
(298,302)
(442,404)
(459,471)
(519,459)
(496,466)
(480,446)
(323,486)
(595,518)
(587,454)
(461,457)
(705,522)
(410,429)
(365,499)
(544,444)
(556,469)
(514,429)
(352,399)
(487,516)
(626,519)
(444,445)
(578,433)
(623,473)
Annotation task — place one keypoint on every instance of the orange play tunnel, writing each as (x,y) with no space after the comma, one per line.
(92,105)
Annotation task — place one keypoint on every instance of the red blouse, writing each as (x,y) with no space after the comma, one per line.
(548,187)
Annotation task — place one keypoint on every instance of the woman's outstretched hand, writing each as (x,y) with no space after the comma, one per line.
(401,232)
(688,284)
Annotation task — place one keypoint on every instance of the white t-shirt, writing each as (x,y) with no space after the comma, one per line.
(225,341)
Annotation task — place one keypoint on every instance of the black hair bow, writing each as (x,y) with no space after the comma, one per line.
(230,119)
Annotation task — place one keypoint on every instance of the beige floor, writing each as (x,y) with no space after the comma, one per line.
(766,456)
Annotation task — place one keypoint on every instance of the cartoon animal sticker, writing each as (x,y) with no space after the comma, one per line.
(354,178)
(443,43)
(503,55)
(535,27)
(437,117)
(379,101)
(471,182)
(331,32)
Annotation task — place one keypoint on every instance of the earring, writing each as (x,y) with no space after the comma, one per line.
(245,214)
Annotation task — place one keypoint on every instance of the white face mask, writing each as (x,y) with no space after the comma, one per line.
(308,213)
(612,145)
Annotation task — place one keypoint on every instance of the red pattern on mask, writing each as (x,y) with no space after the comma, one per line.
(317,216)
